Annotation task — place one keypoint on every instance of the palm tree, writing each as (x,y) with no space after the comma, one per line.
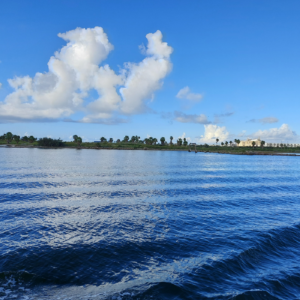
(137,138)
(226,143)
(75,137)
(126,139)
(162,140)
(155,141)
(148,141)
(171,140)
(253,144)
(17,138)
(184,141)
(103,139)
(118,141)
(237,141)
(222,144)
(8,137)
(262,143)
(179,142)
(132,139)
(217,140)
(111,140)
(230,143)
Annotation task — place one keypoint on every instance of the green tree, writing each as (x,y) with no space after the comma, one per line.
(262,143)
(32,139)
(162,140)
(185,142)
(132,139)
(217,140)
(8,137)
(17,138)
(111,140)
(155,141)
(24,139)
(79,141)
(222,144)
(226,143)
(103,139)
(126,139)
(118,140)
(171,140)
(48,142)
(253,144)
(179,142)
(230,143)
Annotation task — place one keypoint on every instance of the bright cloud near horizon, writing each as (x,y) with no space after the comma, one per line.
(128,74)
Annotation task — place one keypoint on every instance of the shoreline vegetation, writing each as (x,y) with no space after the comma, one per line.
(135,143)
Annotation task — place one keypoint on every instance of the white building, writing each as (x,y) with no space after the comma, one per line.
(248,143)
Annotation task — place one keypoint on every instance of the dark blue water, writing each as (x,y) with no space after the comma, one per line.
(101,224)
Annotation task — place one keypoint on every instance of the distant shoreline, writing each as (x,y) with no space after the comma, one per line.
(221,151)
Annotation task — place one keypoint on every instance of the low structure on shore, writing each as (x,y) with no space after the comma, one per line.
(248,143)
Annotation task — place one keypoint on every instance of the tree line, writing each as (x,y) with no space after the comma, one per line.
(9,137)
(136,139)
(48,142)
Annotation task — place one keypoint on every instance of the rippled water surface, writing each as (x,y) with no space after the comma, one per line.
(109,224)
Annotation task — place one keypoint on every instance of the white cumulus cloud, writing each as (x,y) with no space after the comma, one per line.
(283,133)
(185,93)
(74,71)
(212,132)
(145,78)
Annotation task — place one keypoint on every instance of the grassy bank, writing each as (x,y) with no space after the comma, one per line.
(139,146)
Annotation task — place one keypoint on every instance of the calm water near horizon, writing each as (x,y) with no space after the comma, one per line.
(109,224)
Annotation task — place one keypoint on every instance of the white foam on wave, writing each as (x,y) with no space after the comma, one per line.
(13,289)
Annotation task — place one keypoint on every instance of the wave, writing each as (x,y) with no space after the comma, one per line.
(170,291)
(158,180)
(269,265)
(10,195)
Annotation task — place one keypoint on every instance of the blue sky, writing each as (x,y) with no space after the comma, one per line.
(236,64)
